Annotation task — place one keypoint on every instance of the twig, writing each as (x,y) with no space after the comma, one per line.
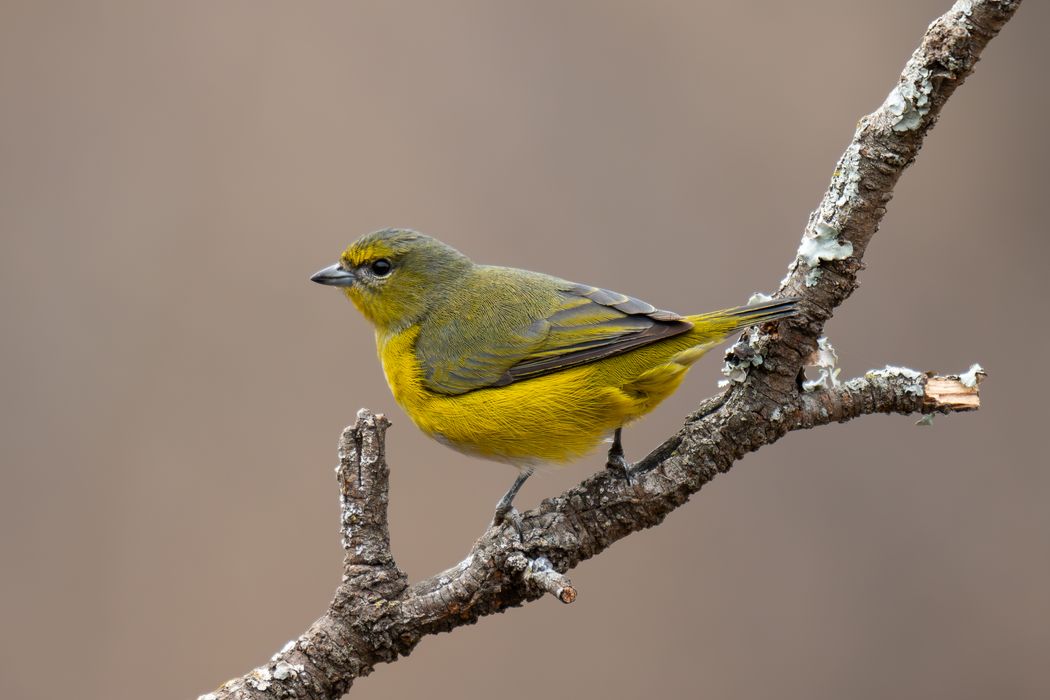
(540,573)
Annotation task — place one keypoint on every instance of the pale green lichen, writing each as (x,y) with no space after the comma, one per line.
(856,384)
(909,102)
(813,276)
(825,360)
(915,387)
(963,6)
(821,242)
(846,178)
(843,193)
(737,372)
(758,298)
(734,367)
(284,670)
(972,376)
(260,678)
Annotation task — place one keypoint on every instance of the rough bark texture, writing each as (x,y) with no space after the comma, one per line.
(376,616)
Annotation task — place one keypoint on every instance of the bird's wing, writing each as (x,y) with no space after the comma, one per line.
(581,324)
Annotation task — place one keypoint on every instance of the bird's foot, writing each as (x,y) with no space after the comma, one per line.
(620,466)
(506,513)
(507,516)
(616,461)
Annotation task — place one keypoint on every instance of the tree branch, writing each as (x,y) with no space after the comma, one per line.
(376,616)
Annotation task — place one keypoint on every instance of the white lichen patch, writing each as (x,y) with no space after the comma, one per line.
(909,102)
(914,386)
(855,384)
(925,420)
(813,384)
(813,276)
(284,670)
(963,6)
(825,360)
(898,371)
(973,376)
(821,242)
(736,368)
(846,178)
(208,696)
(758,298)
(260,678)
(735,372)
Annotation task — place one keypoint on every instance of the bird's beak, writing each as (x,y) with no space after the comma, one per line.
(335,276)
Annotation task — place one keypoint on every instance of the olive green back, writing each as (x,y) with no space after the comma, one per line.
(501,325)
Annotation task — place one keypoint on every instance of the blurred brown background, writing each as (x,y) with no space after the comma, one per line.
(173,386)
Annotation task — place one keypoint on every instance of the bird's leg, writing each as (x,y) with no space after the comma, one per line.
(505,508)
(616,460)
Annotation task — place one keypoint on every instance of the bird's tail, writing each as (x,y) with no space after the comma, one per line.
(709,329)
(717,325)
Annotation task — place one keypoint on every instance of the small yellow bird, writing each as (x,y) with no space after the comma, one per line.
(518,366)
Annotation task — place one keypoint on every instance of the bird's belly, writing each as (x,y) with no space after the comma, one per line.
(553,418)
(546,419)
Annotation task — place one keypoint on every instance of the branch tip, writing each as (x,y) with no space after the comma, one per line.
(364,480)
(888,390)
(541,573)
(954,392)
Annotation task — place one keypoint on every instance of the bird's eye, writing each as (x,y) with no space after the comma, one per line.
(381,267)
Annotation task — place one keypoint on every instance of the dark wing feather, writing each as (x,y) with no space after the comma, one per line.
(593,324)
(511,325)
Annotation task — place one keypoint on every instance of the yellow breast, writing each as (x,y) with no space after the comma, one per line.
(557,417)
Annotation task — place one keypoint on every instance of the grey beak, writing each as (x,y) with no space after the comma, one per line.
(335,276)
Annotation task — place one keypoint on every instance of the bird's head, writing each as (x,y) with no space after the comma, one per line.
(395,276)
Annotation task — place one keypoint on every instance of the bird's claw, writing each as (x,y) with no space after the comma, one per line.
(620,466)
(616,461)
(505,511)
(507,515)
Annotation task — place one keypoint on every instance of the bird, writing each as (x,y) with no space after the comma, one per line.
(516,366)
